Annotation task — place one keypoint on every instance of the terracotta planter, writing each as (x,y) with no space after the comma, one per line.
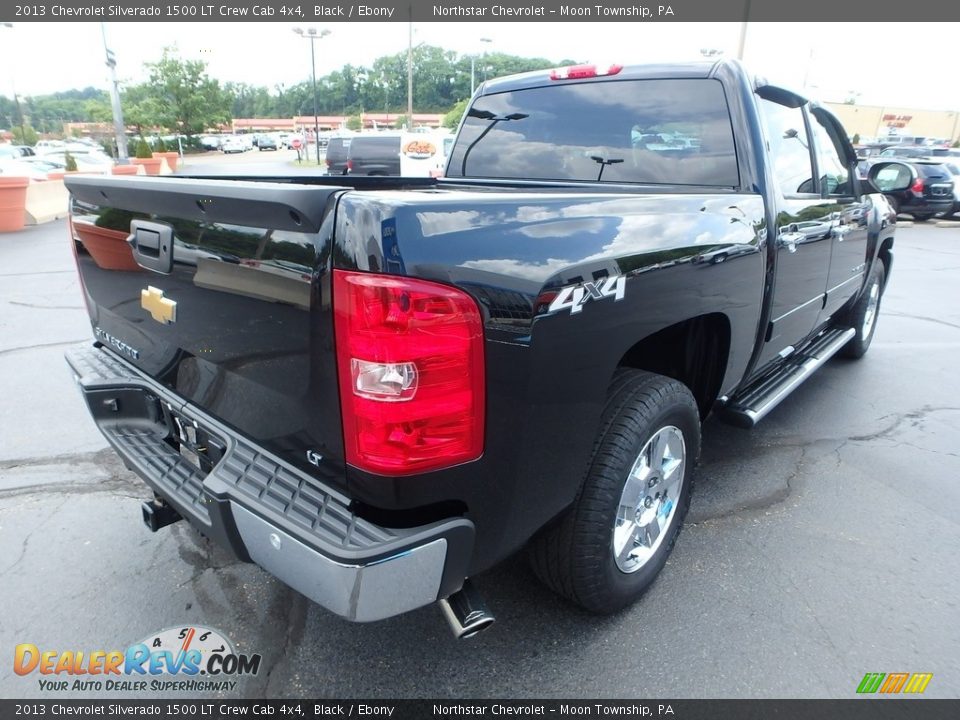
(13,202)
(125,169)
(150,165)
(171,157)
(60,174)
(108,248)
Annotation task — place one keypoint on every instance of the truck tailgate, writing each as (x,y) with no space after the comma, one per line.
(219,290)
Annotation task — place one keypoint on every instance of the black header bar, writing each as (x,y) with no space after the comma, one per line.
(507,11)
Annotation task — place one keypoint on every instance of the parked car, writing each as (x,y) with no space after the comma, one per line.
(374,154)
(87,160)
(234,144)
(266,142)
(43,146)
(20,167)
(940,152)
(953,167)
(75,147)
(211,142)
(44,164)
(929,192)
(414,378)
(917,152)
(338,152)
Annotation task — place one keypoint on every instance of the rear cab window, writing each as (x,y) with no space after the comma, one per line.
(665,131)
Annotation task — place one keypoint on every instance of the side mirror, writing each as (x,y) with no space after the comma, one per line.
(890,176)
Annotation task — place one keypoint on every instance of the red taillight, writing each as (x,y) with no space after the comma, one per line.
(411,372)
(917,186)
(349,164)
(576,72)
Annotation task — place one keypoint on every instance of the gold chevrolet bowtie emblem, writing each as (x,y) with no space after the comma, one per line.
(162,309)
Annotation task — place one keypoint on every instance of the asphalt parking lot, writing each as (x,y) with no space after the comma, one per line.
(820,546)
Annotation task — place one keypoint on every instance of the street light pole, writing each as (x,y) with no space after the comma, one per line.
(473,82)
(119,129)
(741,44)
(312,35)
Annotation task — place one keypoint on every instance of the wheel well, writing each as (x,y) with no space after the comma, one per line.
(694,351)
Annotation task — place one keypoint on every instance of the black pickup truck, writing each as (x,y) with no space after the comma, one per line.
(377,388)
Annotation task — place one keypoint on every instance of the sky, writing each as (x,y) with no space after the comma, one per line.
(878,62)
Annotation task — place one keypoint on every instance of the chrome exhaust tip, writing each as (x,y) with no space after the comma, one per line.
(466,612)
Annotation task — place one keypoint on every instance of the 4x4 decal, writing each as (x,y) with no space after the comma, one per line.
(574,297)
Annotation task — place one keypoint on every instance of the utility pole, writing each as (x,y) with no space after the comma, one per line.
(119,129)
(410,76)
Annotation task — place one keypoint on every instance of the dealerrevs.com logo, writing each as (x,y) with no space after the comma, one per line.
(894,683)
(184,659)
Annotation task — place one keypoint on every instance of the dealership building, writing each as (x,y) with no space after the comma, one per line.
(875,121)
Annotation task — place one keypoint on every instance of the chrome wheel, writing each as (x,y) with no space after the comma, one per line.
(649,499)
(870,313)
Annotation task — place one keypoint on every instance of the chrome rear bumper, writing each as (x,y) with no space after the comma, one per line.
(267,511)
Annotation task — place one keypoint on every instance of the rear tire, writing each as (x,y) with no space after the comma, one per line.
(862,317)
(610,545)
(922,217)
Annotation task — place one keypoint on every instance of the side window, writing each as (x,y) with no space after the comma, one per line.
(789,147)
(834,174)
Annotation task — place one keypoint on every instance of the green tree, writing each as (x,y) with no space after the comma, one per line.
(25,135)
(98,110)
(140,107)
(452,119)
(69,162)
(354,122)
(180,96)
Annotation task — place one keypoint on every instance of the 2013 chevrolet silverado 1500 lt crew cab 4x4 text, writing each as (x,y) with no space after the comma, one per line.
(376,388)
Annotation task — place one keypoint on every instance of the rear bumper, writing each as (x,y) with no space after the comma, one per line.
(266,511)
(927,205)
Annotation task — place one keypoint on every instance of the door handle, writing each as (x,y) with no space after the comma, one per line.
(789,240)
(152,245)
